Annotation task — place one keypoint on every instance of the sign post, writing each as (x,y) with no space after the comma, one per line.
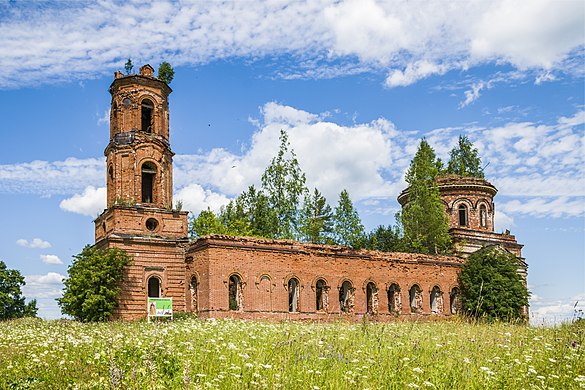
(159,307)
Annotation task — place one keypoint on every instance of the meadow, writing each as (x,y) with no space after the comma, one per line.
(190,353)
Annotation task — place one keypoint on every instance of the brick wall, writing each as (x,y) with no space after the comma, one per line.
(213,259)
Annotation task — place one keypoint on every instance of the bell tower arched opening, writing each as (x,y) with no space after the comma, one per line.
(146,110)
(148,180)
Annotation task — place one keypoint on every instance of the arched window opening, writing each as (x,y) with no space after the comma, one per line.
(436,300)
(148,175)
(111,173)
(264,303)
(154,287)
(394,304)
(193,291)
(455,300)
(146,117)
(346,297)
(293,295)
(415,296)
(235,293)
(321,295)
(483,216)
(371,298)
(462,215)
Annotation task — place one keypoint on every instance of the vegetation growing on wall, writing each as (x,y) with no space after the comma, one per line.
(426,227)
(464,159)
(284,208)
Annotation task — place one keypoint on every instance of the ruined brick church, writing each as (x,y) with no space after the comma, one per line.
(242,277)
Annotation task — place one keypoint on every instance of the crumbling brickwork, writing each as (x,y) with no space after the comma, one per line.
(222,276)
(214,259)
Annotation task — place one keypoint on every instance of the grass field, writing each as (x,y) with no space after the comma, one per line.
(232,354)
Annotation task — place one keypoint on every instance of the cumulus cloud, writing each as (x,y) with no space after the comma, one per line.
(91,202)
(537,167)
(538,33)
(413,73)
(322,150)
(553,312)
(45,289)
(407,40)
(34,243)
(196,199)
(51,259)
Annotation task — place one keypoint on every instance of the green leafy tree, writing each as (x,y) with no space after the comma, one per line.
(261,218)
(283,182)
(464,159)
(92,288)
(491,286)
(426,228)
(206,223)
(348,227)
(166,73)
(385,239)
(316,223)
(234,219)
(12,303)
(128,66)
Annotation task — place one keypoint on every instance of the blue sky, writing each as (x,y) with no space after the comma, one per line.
(356,84)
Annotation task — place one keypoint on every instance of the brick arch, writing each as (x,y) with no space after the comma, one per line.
(458,201)
(160,275)
(289,277)
(368,280)
(261,276)
(343,280)
(488,204)
(226,281)
(316,279)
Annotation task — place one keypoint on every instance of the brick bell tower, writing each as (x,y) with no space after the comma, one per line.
(140,217)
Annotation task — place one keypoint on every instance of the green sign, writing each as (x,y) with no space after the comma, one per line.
(160,307)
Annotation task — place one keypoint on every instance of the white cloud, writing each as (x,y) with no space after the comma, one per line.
(553,312)
(34,243)
(104,119)
(502,221)
(537,33)
(51,259)
(544,77)
(321,148)
(51,278)
(45,289)
(51,178)
(537,167)
(413,73)
(542,207)
(326,38)
(196,199)
(472,94)
(91,202)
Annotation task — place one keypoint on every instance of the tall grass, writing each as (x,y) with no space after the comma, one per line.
(233,354)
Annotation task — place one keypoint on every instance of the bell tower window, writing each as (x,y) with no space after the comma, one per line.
(146,117)
(462,215)
(483,216)
(148,174)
